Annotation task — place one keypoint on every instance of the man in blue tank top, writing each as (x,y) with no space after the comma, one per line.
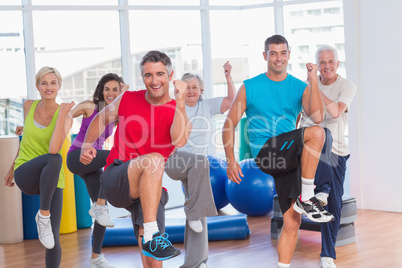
(272,101)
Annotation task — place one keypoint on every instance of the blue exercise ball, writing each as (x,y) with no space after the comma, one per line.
(218,177)
(254,195)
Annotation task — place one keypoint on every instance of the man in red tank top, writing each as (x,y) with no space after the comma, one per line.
(150,125)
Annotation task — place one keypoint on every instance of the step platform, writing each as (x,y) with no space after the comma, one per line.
(346,234)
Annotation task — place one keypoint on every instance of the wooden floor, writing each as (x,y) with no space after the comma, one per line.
(378,244)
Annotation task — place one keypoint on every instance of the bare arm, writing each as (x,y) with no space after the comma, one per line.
(63,125)
(227,101)
(334,108)
(311,101)
(85,108)
(228,134)
(181,126)
(97,127)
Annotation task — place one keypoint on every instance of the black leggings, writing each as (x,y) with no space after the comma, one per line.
(40,176)
(91,175)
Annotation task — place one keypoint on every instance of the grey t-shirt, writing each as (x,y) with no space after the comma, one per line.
(202,136)
(344,91)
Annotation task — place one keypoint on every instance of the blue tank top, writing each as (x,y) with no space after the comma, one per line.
(272,107)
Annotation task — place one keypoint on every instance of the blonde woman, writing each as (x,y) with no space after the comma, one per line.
(37,167)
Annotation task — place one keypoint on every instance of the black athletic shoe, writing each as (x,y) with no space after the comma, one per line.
(159,247)
(313,210)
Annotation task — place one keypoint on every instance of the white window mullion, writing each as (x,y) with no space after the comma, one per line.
(29,45)
(278,16)
(206,48)
(126,58)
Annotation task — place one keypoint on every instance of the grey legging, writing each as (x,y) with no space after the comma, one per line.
(91,175)
(40,176)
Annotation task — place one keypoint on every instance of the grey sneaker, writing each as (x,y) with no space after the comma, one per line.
(196,226)
(99,262)
(313,210)
(327,262)
(101,215)
(45,233)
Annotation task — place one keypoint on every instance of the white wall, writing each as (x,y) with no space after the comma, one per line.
(373,50)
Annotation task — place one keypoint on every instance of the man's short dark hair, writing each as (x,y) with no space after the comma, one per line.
(275,39)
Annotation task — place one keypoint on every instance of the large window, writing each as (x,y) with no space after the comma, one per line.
(307,27)
(12,71)
(164,2)
(83,46)
(75,2)
(177,33)
(10,2)
(237,37)
(83,40)
(238,2)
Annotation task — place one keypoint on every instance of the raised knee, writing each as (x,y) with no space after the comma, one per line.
(55,159)
(154,163)
(318,134)
(155,156)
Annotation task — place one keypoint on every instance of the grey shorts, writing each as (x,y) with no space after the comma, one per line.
(114,180)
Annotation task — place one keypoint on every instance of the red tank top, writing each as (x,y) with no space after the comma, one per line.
(142,128)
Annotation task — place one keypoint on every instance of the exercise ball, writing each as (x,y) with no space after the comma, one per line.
(254,195)
(218,177)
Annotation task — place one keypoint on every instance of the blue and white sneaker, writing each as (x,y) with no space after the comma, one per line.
(159,248)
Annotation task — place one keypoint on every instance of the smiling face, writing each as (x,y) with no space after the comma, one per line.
(48,86)
(327,65)
(110,91)
(193,92)
(277,57)
(156,79)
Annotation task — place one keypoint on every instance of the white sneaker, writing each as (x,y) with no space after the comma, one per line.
(45,232)
(327,262)
(313,209)
(203,265)
(196,226)
(101,215)
(100,262)
(323,197)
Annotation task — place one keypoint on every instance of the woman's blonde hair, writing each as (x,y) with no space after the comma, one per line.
(48,70)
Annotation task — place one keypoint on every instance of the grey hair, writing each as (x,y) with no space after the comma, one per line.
(155,56)
(326,48)
(187,77)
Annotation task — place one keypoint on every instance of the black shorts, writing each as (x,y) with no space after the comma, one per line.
(114,180)
(280,157)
